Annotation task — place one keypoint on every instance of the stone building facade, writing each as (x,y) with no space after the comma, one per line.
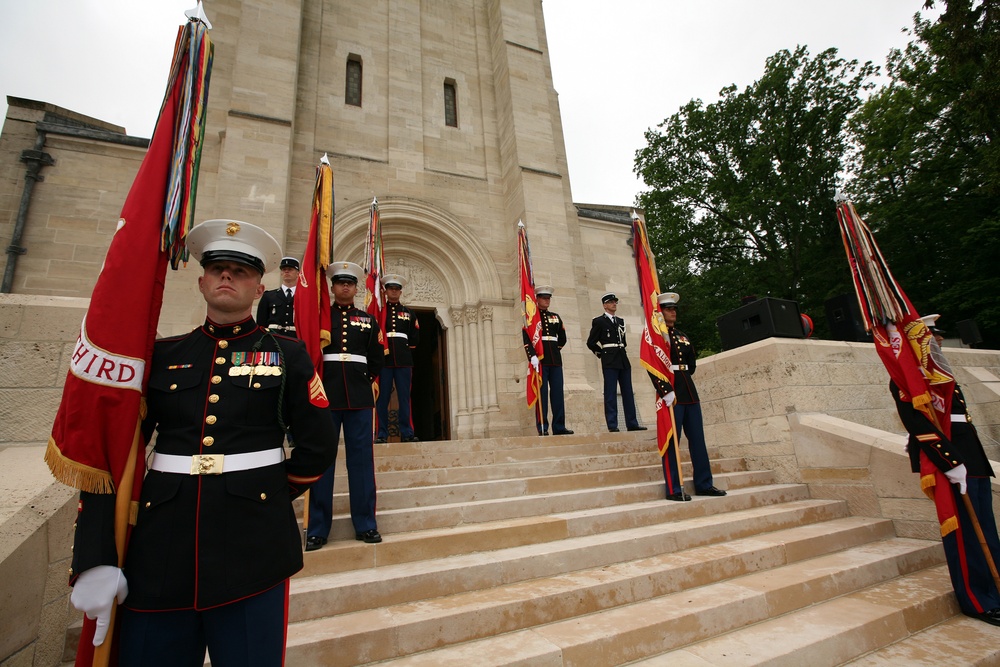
(444,111)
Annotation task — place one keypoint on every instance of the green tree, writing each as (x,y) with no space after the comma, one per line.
(740,197)
(928,166)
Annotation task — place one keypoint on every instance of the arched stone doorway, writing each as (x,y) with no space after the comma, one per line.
(449,272)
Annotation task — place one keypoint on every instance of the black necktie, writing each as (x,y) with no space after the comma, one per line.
(288,294)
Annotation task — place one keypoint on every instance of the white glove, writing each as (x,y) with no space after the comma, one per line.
(670,398)
(957,476)
(94,594)
(534,363)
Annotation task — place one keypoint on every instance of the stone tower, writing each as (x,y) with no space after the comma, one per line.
(445,111)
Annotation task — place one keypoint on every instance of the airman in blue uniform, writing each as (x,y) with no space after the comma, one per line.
(607,341)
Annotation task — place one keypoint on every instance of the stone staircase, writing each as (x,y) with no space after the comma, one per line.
(562,551)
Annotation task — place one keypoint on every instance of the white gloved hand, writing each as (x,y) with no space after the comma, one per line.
(957,475)
(94,594)
(670,398)
(534,363)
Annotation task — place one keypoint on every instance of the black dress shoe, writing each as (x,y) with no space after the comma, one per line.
(637,428)
(710,491)
(992,616)
(369,536)
(543,433)
(563,432)
(612,430)
(679,496)
(379,441)
(313,543)
(411,438)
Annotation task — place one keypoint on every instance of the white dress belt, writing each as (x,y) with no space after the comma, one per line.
(215,464)
(611,345)
(679,367)
(343,356)
(397,334)
(955,417)
(551,338)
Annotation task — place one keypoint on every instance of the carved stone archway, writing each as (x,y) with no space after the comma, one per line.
(449,270)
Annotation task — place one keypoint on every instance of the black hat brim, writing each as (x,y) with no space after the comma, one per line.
(232,256)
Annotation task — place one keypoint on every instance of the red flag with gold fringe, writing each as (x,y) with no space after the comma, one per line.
(312,296)
(903,342)
(374,268)
(654,350)
(529,309)
(96,443)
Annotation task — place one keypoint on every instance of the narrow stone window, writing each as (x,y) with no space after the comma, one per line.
(450,104)
(352,92)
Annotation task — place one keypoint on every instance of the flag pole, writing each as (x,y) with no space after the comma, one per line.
(677,448)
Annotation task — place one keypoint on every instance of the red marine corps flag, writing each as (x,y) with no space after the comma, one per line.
(374,268)
(532,318)
(902,341)
(96,444)
(312,298)
(654,351)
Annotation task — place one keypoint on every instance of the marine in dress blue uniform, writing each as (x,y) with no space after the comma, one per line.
(607,341)
(276,308)
(402,333)
(215,540)
(351,362)
(687,409)
(550,365)
(960,456)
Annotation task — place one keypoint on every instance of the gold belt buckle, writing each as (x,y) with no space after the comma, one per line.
(344,356)
(207,464)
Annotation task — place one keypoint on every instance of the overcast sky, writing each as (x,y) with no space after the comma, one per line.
(620,67)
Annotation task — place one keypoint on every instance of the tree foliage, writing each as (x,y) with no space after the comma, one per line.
(927,167)
(740,197)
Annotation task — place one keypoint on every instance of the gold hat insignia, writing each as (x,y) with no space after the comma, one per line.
(232,228)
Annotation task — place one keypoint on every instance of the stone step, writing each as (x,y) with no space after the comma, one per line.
(492,489)
(344,592)
(399,515)
(608,442)
(616,613)
(389,478)
(833,632)
(552,517)
(960,640)
(446,454)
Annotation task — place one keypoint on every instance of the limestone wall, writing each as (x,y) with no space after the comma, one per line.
(36,512)
(749,393)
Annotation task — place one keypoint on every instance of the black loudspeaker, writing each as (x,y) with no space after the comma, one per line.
(757,320)
(843,316)
(969,332)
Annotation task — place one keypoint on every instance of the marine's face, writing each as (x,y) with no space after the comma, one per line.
(543,302)
(229,289)
(344,291)
(393,292)
(669,315)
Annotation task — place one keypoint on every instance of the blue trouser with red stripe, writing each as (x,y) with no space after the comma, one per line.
(688,421)
(401,377)
(970,573)
(360,476)
(245,633)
